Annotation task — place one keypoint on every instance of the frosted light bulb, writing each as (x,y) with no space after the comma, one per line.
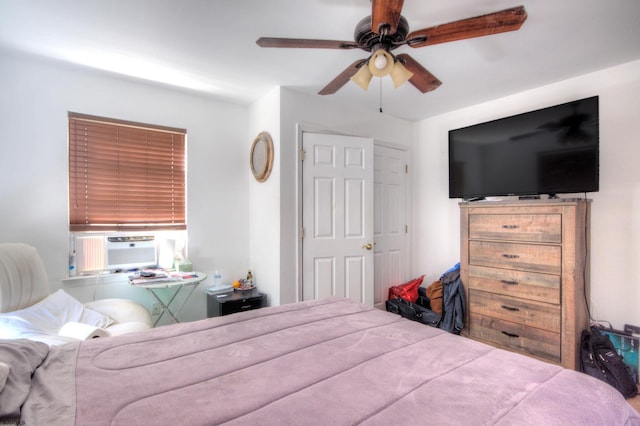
(380,62)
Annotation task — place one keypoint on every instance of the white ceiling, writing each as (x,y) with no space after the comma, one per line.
(209,45)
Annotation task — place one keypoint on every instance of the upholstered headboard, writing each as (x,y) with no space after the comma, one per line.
(23,279)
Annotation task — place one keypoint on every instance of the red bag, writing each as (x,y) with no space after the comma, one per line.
(407,291)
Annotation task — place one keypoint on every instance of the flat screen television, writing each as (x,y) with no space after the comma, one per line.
(552,151)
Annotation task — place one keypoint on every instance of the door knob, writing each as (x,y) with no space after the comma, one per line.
(367,246)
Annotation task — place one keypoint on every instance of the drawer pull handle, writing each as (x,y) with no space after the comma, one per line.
(509,282)
(510,256)
(510,226)
(510,308)
(510,334)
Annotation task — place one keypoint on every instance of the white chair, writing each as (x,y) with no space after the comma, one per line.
(29,310)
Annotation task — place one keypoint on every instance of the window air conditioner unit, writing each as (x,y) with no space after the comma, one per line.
(130,252)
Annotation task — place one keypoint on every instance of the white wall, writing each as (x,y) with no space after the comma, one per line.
(316,113)
(615,227)
(36,96)
(236,223)
(264,201)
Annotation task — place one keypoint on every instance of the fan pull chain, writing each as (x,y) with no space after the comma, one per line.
(380,80)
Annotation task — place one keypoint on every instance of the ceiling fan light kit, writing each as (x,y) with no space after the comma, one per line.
(381,64)
(386,30)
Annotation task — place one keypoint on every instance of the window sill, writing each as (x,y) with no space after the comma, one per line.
(97,279)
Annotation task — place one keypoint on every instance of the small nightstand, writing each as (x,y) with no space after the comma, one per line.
(234,301)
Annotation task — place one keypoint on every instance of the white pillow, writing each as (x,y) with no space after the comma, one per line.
(48,316)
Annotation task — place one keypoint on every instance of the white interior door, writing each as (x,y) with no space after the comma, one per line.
(337,217)
(391,257)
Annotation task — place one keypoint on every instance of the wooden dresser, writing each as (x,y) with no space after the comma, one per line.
(525,269)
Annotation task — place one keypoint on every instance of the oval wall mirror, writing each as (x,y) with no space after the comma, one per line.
(261,156)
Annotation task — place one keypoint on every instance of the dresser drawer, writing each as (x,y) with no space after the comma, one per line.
(517,337)
(541,228)
(544,316)
(527,285)
(524,257)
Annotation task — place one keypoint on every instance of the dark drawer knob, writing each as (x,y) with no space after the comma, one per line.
(510,256)
(509,334)
(509,282)
(510,226)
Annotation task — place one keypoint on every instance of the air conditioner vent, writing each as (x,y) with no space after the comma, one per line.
(130,252)
(130,238)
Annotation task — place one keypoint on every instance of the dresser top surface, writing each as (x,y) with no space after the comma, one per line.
(525,203)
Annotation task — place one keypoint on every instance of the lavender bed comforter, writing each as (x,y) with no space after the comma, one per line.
(326,362)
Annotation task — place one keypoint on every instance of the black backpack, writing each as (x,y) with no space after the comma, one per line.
(413,311)
(598,358)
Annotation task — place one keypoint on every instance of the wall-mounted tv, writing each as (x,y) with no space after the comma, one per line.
(550,151)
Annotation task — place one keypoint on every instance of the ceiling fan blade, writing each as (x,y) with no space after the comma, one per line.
(385,15)
(305,43)
(422,79)
(492,23)
(342,78)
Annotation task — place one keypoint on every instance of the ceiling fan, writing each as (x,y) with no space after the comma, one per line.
(570,129)
(385,30)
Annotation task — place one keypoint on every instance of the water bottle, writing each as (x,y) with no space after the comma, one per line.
(217,279)
(72,264)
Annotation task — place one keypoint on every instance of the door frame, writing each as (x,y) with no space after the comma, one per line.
(302,128)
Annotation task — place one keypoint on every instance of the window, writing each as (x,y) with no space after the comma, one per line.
(125,176)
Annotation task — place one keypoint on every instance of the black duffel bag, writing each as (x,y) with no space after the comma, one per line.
(598,358)
(413,312)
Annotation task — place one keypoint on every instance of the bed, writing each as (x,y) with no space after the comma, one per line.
(330,361)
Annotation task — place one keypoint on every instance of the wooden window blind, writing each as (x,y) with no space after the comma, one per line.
(125,176)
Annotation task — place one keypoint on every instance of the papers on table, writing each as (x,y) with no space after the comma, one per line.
(157,276)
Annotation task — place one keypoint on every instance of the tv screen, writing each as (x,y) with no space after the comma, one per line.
(551,151)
